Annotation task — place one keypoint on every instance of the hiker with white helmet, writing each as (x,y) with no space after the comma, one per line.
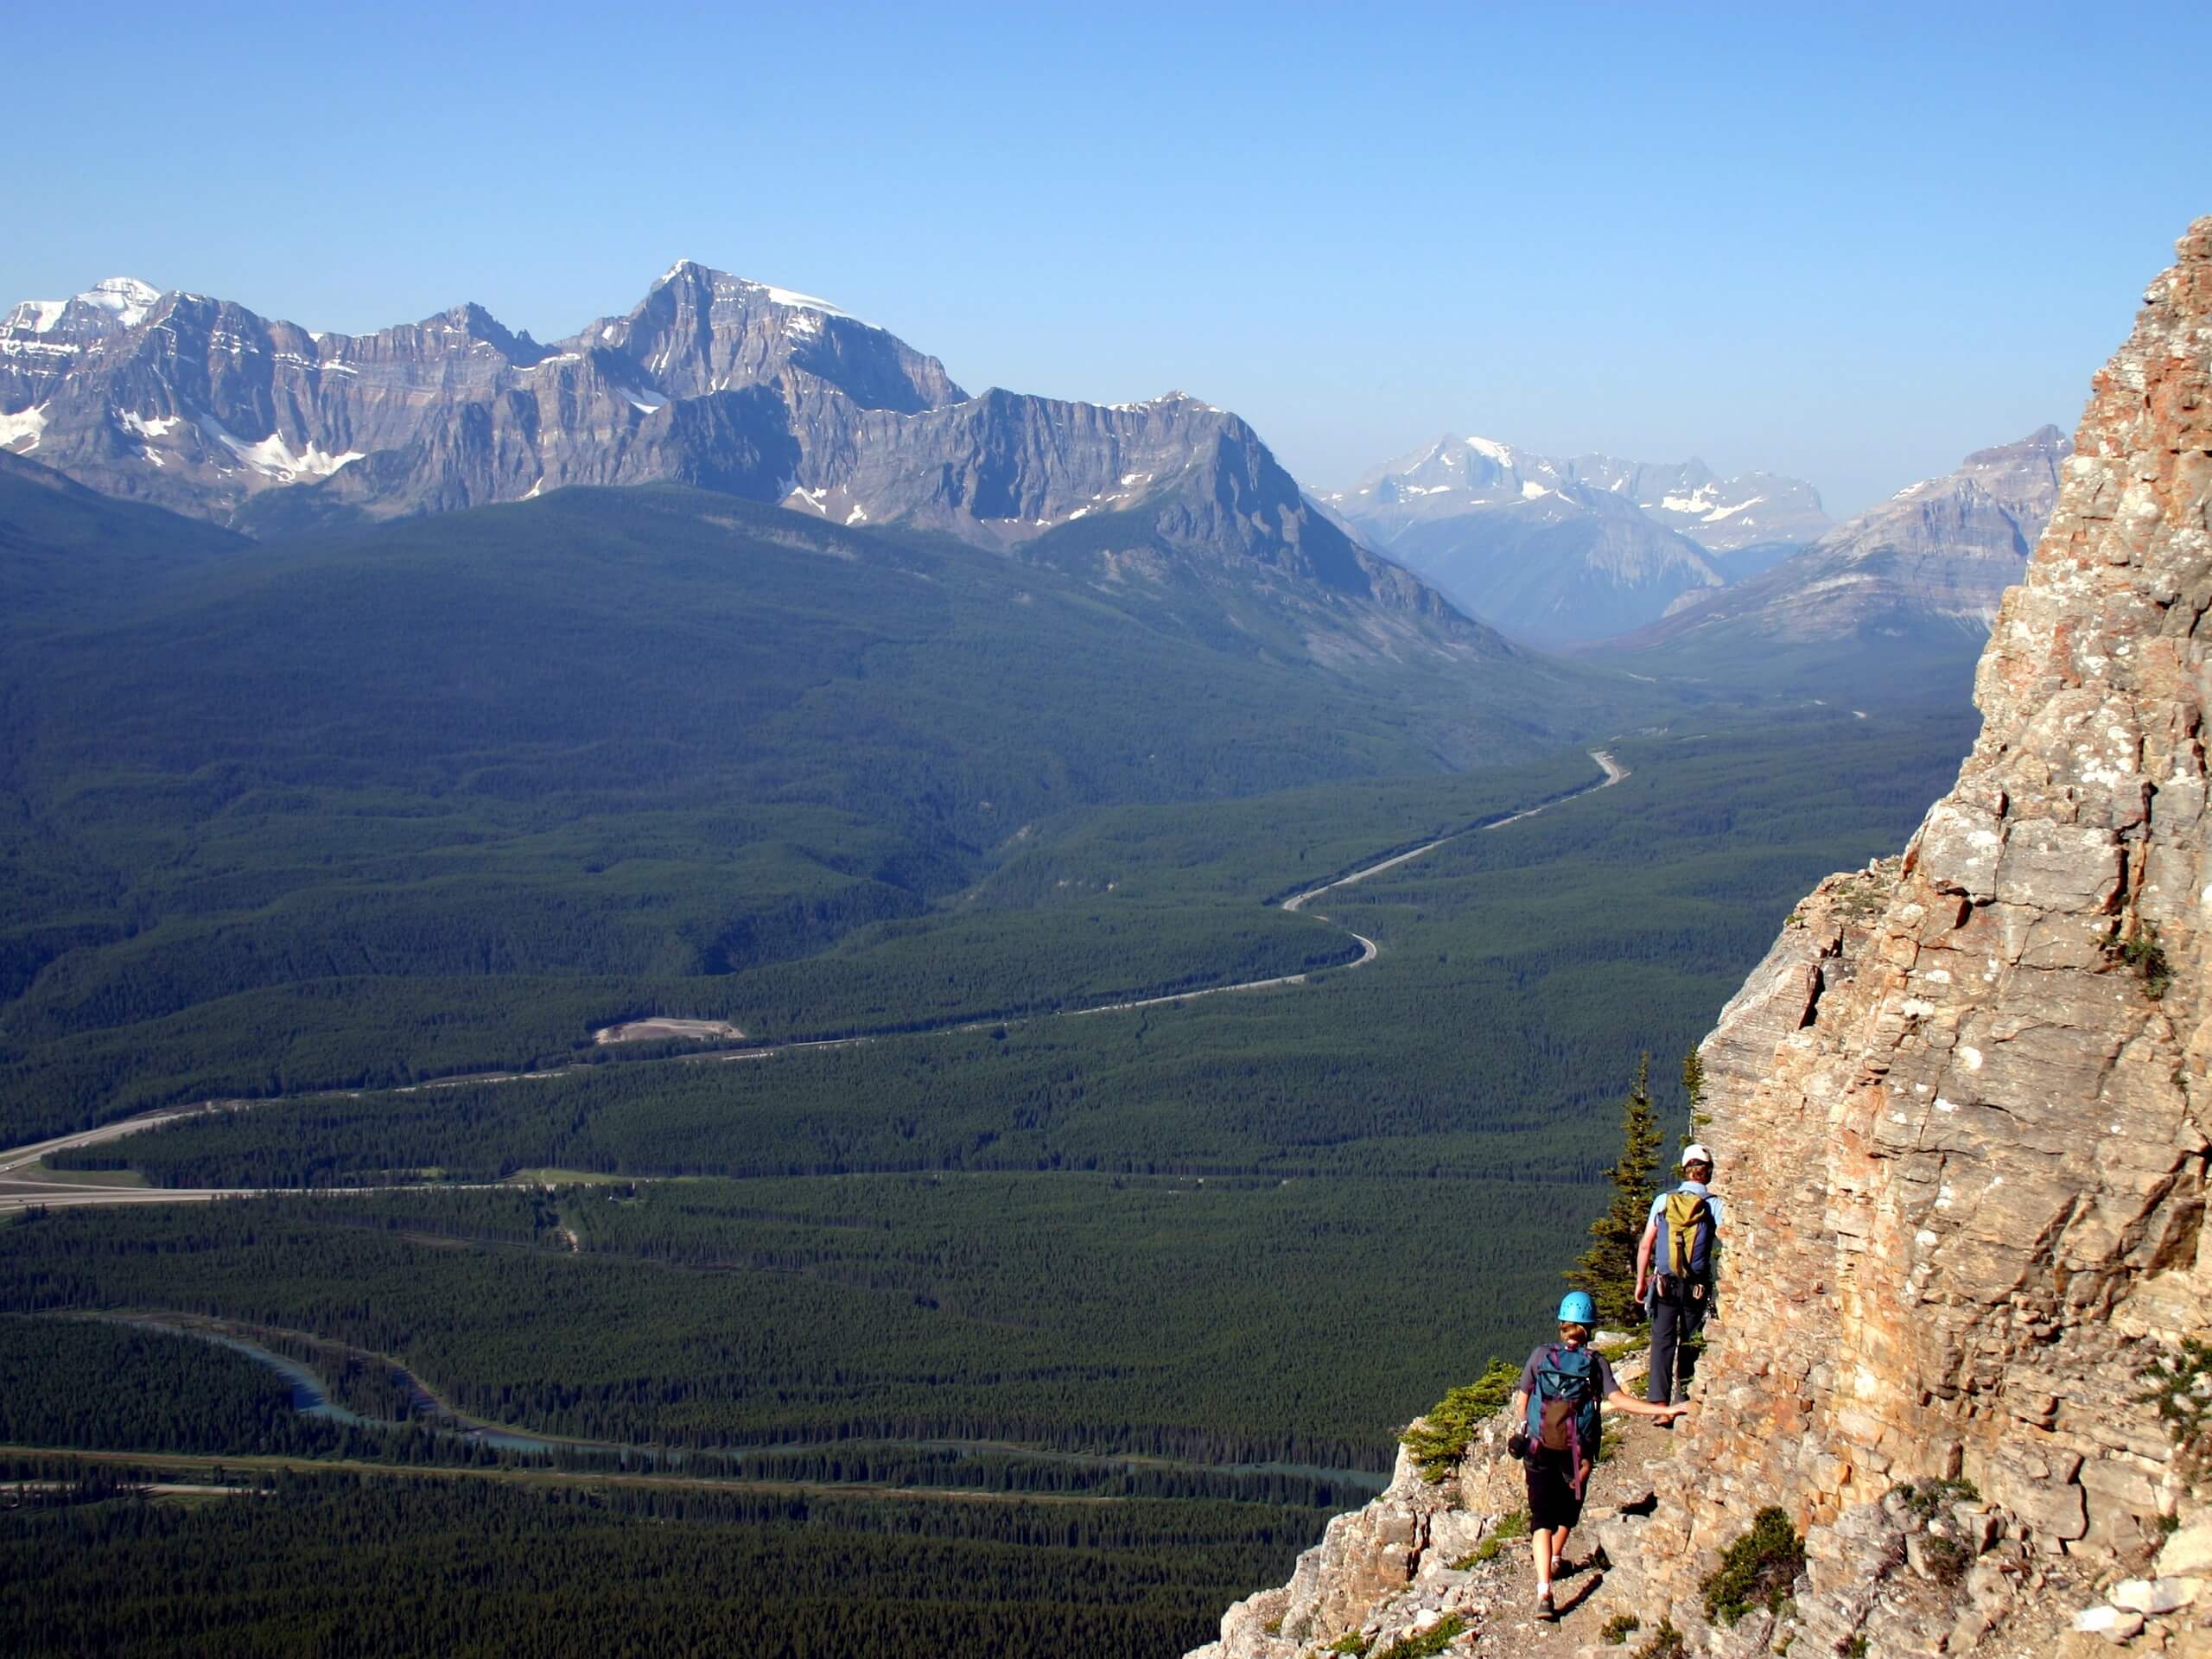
(1675,1264)
(1562,1390)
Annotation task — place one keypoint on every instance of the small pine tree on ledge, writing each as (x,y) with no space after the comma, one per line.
(1694,1086)
(1608,1269)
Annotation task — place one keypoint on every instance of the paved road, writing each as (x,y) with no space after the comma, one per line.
(1614,772)
(21,1192)
(22,1157)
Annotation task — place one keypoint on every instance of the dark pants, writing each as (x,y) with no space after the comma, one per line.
(1553,1499)
(1673,1358)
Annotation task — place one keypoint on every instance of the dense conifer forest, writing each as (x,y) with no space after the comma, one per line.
(345,1563)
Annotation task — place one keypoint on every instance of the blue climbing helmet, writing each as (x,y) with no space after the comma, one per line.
(1577,1308)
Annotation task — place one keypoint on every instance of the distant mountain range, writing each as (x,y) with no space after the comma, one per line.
(201,406)
(1563,551)
(1899,599)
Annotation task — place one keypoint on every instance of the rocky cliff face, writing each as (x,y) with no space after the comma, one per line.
(1964,1108)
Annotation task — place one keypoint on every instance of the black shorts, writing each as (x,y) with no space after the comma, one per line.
(1552,1498)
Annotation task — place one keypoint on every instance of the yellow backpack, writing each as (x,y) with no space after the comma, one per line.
(1688,1240)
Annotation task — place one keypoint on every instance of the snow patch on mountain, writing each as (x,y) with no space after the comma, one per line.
(37,315)
(272,457)
(797,301)
(15,428)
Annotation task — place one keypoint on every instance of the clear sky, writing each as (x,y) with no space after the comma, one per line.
(1847,243)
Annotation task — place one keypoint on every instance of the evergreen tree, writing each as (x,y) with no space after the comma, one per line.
(1608,1269)
(1693,1087)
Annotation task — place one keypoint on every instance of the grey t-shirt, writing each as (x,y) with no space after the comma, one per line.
(1601,1369)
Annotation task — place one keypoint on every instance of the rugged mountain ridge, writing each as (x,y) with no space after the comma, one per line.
(203,407)
(200,405)
(1966,1117)
(1941,551)
(1563,551)
(1893,605)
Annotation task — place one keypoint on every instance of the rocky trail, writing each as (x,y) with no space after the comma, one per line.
(1447,1562)
(1499,1594)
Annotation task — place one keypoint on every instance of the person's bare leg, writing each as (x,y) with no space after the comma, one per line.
(1540,1552)
(1559,1549)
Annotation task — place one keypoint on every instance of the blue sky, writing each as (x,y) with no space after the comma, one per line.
(1849,246)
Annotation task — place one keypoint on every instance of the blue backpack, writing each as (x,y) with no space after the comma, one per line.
(1563,1408)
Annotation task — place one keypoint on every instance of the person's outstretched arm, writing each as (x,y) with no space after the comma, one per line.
(1621,1400)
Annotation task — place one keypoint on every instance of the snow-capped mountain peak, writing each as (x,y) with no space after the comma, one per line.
(725,286)
(125,298)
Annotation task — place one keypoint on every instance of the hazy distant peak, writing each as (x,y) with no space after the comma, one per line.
(1455,475)
(2046,441)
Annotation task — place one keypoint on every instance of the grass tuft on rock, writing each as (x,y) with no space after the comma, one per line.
(1924,1498)
(2180,1387)
(1440,1439)
(1433,1640)
(1510,1527)
(1756,1570)
(2142,951)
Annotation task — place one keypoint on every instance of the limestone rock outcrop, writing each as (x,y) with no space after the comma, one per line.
(1963,1109)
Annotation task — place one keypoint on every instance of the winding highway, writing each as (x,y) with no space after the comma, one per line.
(24,1186)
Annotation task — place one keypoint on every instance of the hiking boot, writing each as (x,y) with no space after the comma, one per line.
(1544,1608)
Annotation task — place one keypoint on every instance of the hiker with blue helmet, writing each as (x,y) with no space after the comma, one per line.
(1562,1390)
(1675,1262)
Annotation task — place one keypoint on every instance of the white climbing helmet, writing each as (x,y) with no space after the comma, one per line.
(1697,1152)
